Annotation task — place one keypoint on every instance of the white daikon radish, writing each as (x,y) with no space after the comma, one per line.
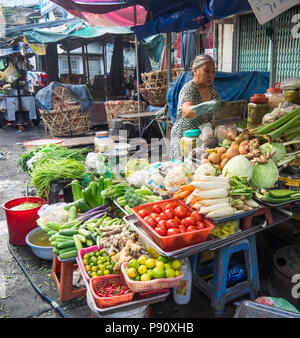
(215,201)
(216,193)
(197,206)
(206,178)
(190,198)
(250,203)
(206,210)
(208,185)
(221,212)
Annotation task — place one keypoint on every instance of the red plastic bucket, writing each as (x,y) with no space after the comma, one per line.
(21,222)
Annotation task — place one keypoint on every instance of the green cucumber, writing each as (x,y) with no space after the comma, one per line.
(68,232)
(65,244)
(89,198)
(72,213)
(76,190)
(67,255)
(77,242)
(84,233)
(70,248)
(89,242)
(51,233)
(82,205)
(53,226)
(69,205)
(82,238)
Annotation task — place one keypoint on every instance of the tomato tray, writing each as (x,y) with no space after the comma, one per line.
(176,241)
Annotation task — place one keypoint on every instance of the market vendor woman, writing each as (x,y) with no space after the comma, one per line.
(199,90)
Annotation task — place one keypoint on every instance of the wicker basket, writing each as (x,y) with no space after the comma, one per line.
(159,78)
(66,117)
(155,96)
(115,108)
(155,284)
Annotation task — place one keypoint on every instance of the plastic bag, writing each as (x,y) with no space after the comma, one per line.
(225,229)
(207,137)
(279,303)
(52,213)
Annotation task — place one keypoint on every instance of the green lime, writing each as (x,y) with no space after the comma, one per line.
(170,273)
(158,272)
(133,263)
(163,259)
(176,265)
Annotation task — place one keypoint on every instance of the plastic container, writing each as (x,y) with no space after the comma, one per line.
(42,142)
(21,222)
(80,255)
(43,252)
(189,141)
(103,302)
(102,142)
(177,241)
(182,293)
(148,294)
(275,96)
(155,284)
(292,95)
(257,108)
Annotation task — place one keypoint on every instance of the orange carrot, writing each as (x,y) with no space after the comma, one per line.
(188,187)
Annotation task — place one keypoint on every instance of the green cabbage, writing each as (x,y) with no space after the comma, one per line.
(280,151)
(238,166)
(265,175)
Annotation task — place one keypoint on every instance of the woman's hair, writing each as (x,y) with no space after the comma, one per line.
(200,60)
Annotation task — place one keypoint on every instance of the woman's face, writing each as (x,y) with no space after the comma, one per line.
(205,74)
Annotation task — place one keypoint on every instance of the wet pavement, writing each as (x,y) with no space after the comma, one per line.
(18,299)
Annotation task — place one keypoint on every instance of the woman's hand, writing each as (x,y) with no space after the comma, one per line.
(187,112)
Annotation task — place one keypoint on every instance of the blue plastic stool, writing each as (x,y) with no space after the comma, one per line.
(217,291)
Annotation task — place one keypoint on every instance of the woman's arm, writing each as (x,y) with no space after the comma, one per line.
(187,112)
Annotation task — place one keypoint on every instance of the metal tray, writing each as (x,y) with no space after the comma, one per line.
(276,204)
(121,208)
(212,242)
(249,309)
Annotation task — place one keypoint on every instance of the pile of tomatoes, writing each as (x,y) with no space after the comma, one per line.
(172,219)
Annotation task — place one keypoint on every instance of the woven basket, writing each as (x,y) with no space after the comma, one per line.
(115,108)
(159,78)
(155,284)
(66,117)
(155,96)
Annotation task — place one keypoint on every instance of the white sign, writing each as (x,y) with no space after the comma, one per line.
(46,6)
(266,10)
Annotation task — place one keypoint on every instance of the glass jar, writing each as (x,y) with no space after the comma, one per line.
(257,108)
(102,142)
(275,96)
(292,95)
(189,141)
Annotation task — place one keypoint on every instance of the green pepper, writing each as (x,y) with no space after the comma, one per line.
(89,198)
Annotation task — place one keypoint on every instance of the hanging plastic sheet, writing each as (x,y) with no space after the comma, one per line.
(230,86)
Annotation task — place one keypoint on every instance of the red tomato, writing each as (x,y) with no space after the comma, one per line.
(151,221)
(154,215)
(181,228)
(161,231)
(172,223)
(159,218)
(191,228)
(169,214)
(172,231)
(157,209)
(180,211)
(143,213)
(162,224)
(171,205)
(197,217)
(200,225)
(188,221)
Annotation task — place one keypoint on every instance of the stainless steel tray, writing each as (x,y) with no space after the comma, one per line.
(121,208)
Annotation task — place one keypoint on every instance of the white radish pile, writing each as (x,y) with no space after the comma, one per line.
(211,197)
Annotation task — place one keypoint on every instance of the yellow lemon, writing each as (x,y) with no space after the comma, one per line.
(170,273)
(145,277)
(131,272)
(160,264)
(142,269)
(150,263)
(176,265)
(133,263)
(142,260)
(177,273)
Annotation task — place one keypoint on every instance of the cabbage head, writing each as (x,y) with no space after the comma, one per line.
(238,166)
(280,151)
(265,175)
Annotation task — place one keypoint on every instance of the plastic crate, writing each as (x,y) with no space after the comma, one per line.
(103,302)
(80,255)
(155,284)
(178,241)
(153,293)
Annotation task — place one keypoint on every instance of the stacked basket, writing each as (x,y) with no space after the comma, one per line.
(66,117)
(155,86)
(115,108)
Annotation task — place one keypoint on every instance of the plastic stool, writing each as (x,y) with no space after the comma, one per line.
(56,187)
(62,273)
(217,291)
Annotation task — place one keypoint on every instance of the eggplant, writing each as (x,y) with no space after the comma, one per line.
(88,216)
(99,216)
(102,207)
